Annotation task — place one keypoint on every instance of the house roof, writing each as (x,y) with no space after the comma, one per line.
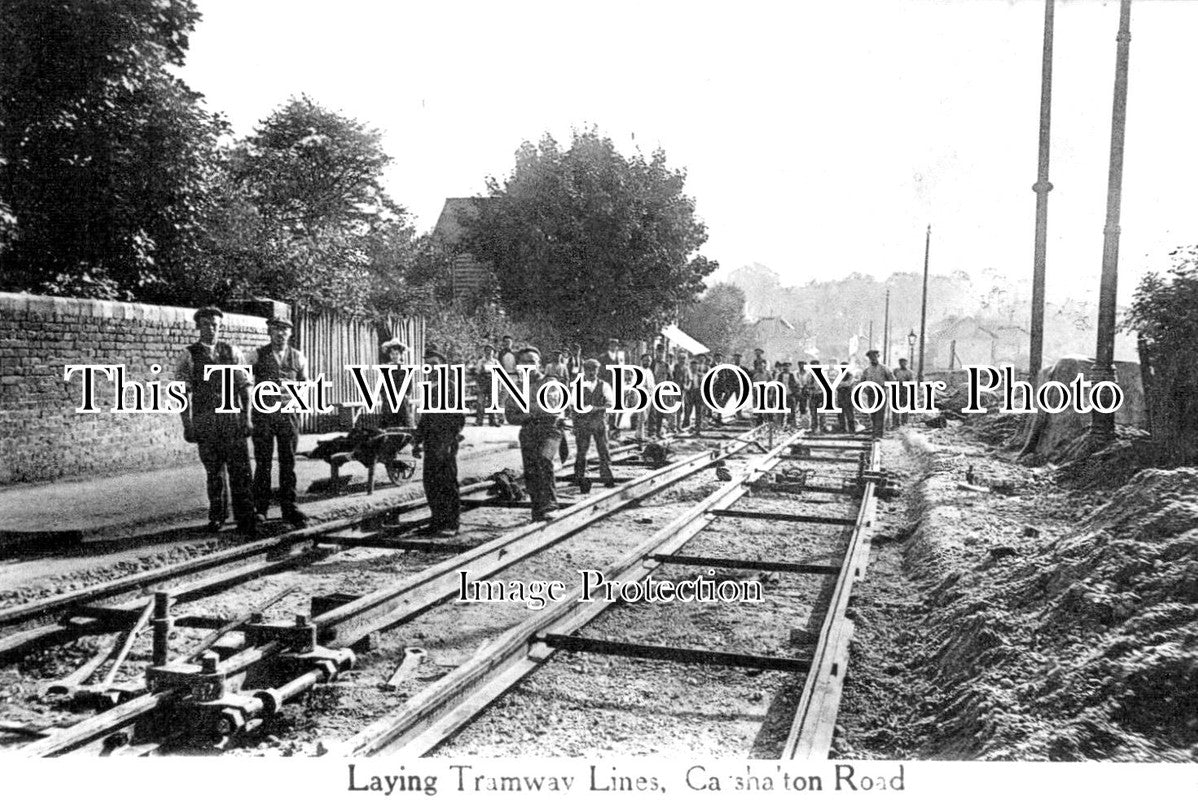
(449,225)
(679,337)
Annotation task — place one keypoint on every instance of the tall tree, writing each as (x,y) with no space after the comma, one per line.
(304,217)
(104,155)
(717,319)
(602,244)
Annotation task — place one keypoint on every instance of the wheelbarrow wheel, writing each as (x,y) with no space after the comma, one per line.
(399,471)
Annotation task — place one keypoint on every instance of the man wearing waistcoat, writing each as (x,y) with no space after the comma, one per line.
(277,362)
(540,437)
(592,424)
(219,437)
(437,437)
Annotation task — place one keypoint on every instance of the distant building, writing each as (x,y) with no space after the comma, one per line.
(970,341)
(780,340)
(468,274)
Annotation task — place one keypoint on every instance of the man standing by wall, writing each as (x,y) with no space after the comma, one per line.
(276,362)
(219,437)
(437,437)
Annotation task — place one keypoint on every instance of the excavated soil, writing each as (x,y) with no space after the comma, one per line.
(1039,619)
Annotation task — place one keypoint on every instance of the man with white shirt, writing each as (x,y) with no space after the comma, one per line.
(219,437)
(277,362)
(879,375)
(592,424)
(540,437)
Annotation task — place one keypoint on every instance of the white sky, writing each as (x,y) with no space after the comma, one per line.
(819,139)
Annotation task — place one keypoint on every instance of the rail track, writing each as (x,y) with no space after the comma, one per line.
(445,709)
(290,657)
(211,679)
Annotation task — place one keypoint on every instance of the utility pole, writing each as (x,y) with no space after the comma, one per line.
(1102,426)
(1042,187)
(886,330)
(871,334)
(923,306)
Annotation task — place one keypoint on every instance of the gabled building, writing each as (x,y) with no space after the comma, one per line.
(780,340)
(468,274)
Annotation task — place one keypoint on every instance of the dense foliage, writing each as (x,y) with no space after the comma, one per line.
(603,244)
(105,157)
(717,319)
(1164,314)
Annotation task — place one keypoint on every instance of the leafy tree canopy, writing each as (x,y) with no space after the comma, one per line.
(603,244)
(104,155)
(302,217)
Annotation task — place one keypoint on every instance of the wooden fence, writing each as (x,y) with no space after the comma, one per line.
(333,341)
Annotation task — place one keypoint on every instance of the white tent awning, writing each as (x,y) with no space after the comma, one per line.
(677,337)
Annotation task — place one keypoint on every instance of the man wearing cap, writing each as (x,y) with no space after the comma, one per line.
(437,437)
(275,363)
(220,438)
(879,375)
(540,436)
(483,369)
(607,359)
(588,425)
(904,376)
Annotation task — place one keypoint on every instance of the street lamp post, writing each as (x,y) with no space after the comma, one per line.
(911,337)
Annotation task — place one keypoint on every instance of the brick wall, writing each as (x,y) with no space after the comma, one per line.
(41,436)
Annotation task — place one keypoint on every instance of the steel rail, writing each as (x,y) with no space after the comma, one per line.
(140,580)
(440,710)
(815,717)
(349,623)
(413,597)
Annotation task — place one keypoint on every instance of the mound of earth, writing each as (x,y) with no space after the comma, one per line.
(1082,645)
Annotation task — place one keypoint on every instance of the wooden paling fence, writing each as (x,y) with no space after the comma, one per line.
(332,341)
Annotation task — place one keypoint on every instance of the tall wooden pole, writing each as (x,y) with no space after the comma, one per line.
(1042,187)
(1103,425)
(886,331)
(923,306)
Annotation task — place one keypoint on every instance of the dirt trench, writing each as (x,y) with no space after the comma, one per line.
(1009,615)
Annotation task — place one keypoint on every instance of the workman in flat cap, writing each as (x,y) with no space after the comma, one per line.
(878,375)
(540,436)
(220,437)
(277,362)
(437,437)
(597,395)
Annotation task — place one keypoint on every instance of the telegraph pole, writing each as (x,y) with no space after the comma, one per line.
(1042,187)
(1102,426)
(886,331)
(923,306)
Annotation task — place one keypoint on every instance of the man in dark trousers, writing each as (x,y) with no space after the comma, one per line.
(540,438)
(610,358)
(437,437)
(219,437)
(276,362)
(879,375)
(592,424)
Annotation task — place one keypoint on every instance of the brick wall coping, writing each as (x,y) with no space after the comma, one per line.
(11,302)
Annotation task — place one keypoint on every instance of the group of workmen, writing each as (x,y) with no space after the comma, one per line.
(221,437)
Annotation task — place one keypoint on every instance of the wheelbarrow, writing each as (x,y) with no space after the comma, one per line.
(369,447)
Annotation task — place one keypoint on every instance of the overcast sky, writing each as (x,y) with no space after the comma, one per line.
(819,139)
